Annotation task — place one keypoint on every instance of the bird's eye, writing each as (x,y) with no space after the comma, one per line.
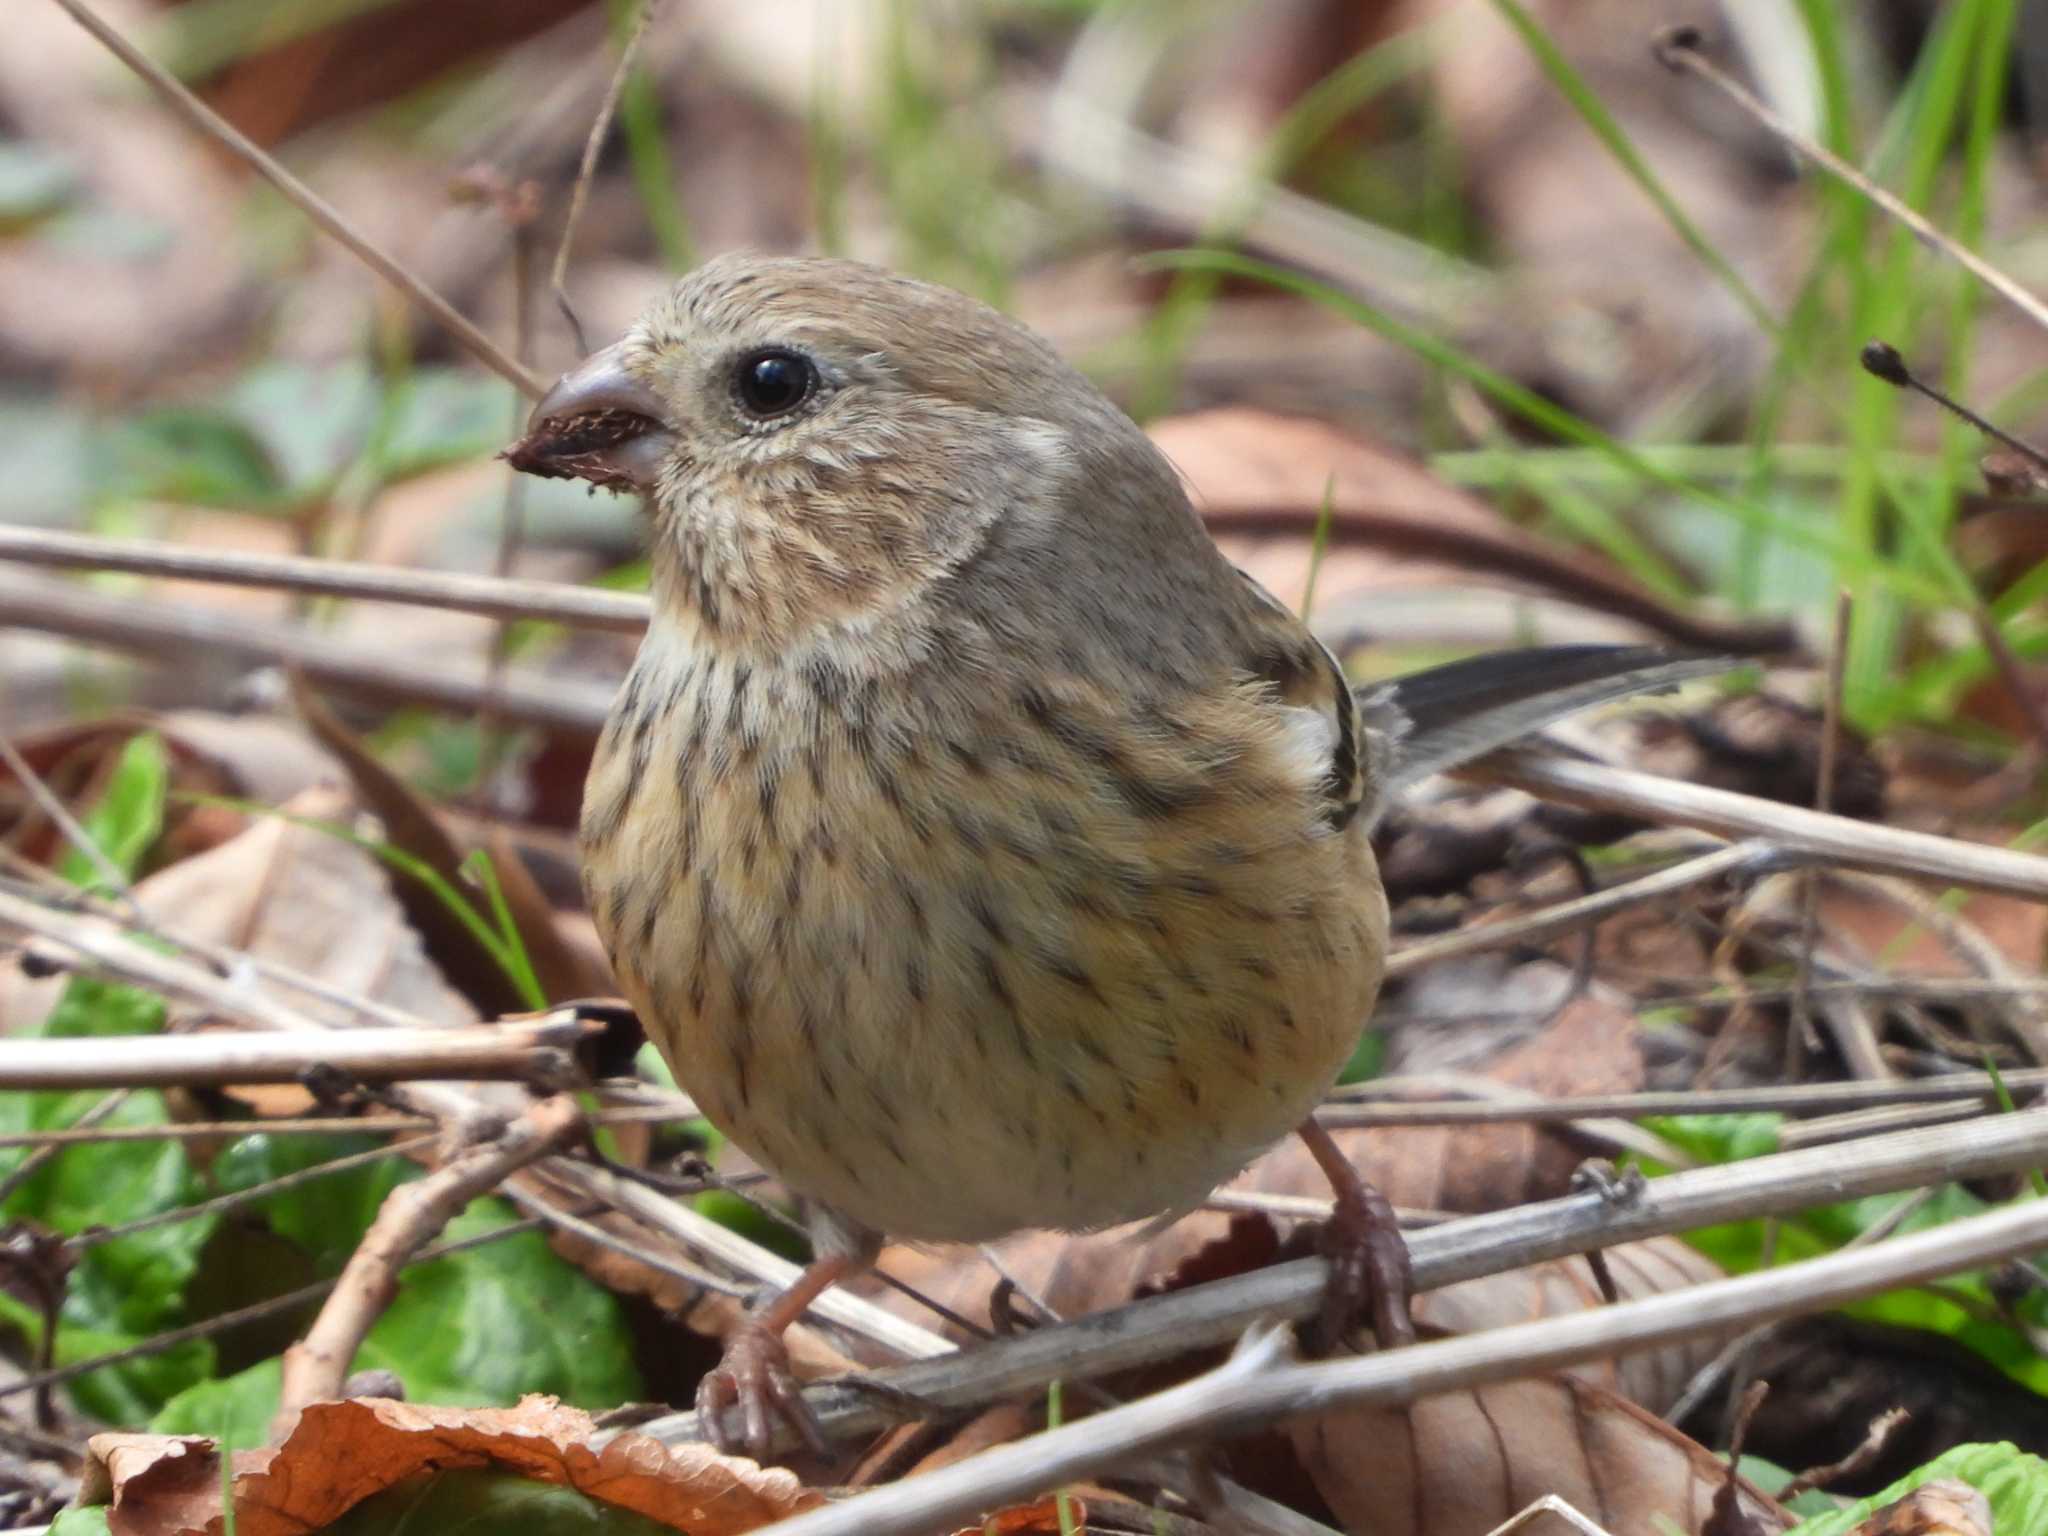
(773,382)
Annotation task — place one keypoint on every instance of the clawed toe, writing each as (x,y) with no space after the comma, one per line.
(754,1378)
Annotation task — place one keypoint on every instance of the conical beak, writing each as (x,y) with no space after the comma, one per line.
(599,423)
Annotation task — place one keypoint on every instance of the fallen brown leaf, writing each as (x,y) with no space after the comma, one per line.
(1460,1463)
(1261,479)
(340,1453)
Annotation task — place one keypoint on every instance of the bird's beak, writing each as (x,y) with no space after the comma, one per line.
(599,423)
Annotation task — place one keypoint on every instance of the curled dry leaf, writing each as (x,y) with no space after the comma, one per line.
(1460,1463)
(341,1453)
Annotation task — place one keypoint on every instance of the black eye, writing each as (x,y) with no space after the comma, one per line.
(773,382)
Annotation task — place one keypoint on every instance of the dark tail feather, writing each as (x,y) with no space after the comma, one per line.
(1444,716)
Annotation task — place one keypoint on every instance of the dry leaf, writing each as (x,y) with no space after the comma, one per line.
(1041,1518)
(310,900)
(1945,1507)
(341,1453)
(1460,1463)
(1261,480)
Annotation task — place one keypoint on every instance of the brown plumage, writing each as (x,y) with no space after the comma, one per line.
(979,847)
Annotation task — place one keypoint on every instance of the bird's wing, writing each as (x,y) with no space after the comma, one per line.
(1308,678)
(1438,718)
(1383,739)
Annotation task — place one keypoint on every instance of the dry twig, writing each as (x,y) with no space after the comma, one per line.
(316,1366)
(1258,1387)
(314,206)
(506,1052)
(1168,1327)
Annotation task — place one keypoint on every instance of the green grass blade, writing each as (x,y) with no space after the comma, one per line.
(1593,112)
(1551,418)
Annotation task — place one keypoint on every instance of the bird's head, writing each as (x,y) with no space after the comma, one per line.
(823,445)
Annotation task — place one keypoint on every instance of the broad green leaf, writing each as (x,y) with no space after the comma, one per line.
(239,1407)
(439,416)
(325,1216)
(510,1317)
(188,454)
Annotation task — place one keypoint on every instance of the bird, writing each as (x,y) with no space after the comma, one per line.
(981,849)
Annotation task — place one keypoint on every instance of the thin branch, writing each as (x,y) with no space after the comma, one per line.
(324,1125)
(226,1322)
(318,209)
(701,1234)
(505,1052)
(1830,839)
(493,597)
(1747,858)
(225,961)
(169,631)
(26,1168)
(316,1366)
(1783,1099)
(1823,801)
(1256,1389)
(60,816)
(1206,1316)
(1678,49)
(590,1232)
(579,194)
(92,1237)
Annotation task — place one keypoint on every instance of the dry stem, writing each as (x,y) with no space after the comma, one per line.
(491,596)
(1169,1327)
(514,1052)
(316,1366)
(1257,1388)
(314,206)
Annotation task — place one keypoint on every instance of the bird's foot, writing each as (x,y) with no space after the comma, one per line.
(1370,1276)
(754,1378)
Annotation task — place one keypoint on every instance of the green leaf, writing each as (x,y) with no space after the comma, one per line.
(312,421)
(476,1501)
(441,415)
(2015,1483)
(34,183)
(236,1408)
(188,454)
(130,1287)
(128,817)
(325,1216)
(511,1317)
(80,1522)
(1720,1138)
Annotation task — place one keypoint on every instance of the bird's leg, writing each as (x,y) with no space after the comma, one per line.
(1369,1271)
(753,1374)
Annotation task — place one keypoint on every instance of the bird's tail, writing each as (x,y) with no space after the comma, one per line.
(1438,718)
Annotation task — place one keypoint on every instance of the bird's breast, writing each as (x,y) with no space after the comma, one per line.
(956,965)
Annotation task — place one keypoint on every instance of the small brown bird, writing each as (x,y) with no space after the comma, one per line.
(981,849)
